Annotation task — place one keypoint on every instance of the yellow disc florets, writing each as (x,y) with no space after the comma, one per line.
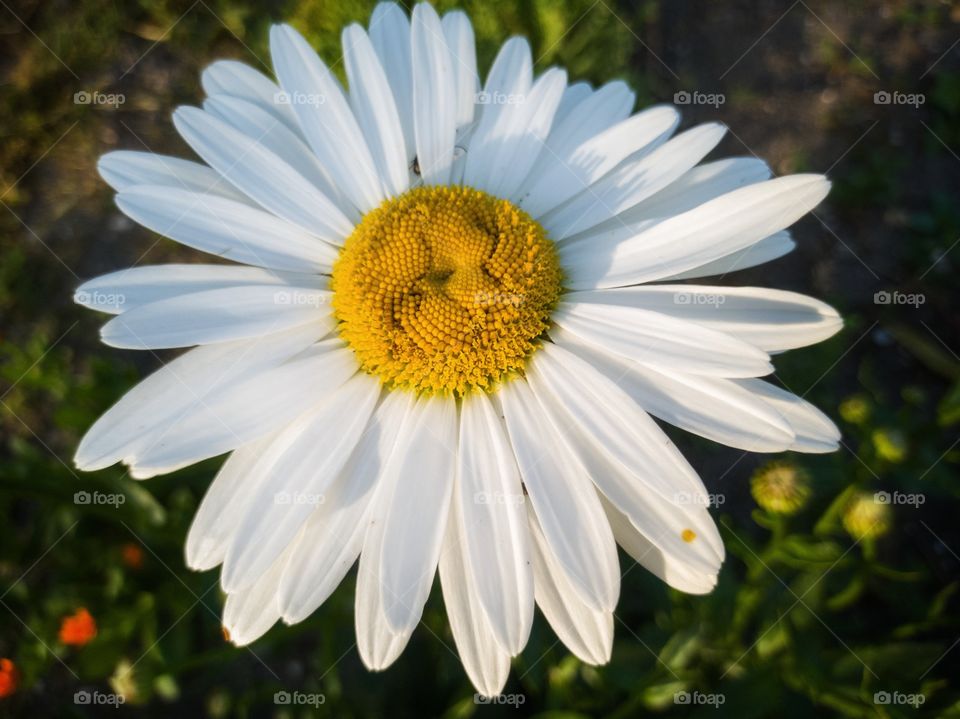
(445,289)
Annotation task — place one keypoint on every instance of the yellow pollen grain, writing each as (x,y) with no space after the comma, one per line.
(688,535)
(445,290)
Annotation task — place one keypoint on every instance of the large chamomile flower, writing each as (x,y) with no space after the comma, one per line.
(452,317)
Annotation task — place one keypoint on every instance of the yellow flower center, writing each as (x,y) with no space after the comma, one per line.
(445,290)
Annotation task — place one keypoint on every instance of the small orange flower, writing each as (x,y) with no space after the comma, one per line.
(132,555)
(78,628)
(8,677)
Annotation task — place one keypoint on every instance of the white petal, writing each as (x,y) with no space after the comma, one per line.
(563,499)
(226,228)
(229,77)
(178,388)
(508,84)
(390,34)
(773,320)
(816,433)
(373,105)
(713,230)
(121,291)
(661,341)
(314,453)
(575,93)
(589,113)
(674,572)
(247,409)
(766,250)
(491,502)
(714,408)
(249,614)
(218,315)
(485,662)
(521,141)
(434,96)
(665,515)
(459,35)
(262,175)
(563,176)
(289,146)
(122,169)
(325,117)
(586,632)
(421,474)
(633,182)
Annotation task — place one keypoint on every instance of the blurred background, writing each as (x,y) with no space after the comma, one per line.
(840,593)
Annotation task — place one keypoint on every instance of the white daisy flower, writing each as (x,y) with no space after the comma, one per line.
(452,317)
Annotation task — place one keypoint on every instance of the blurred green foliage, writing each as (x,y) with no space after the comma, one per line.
(806,619)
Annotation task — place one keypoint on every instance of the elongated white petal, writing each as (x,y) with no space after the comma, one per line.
(662,341)
(312,457)
(773,320)
(584,113)
(421,476)
(632,183)
(713,230)
(235,79)
(508,85)
(373,105)
(676,521)
(325,117)
(485,661)
(226,228)
(177,389)
(459,35)
(766,250)
(491,502)
(587,632)
(563,499)
(262,175)
(263,128)
(390,34)
(815,432)
(563,176)
(218,315)
(123,290)
(715,408)
(123,169)
(434,99)
(249,613)
(248,409)
(575,93)
(674,572)
(378,645)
